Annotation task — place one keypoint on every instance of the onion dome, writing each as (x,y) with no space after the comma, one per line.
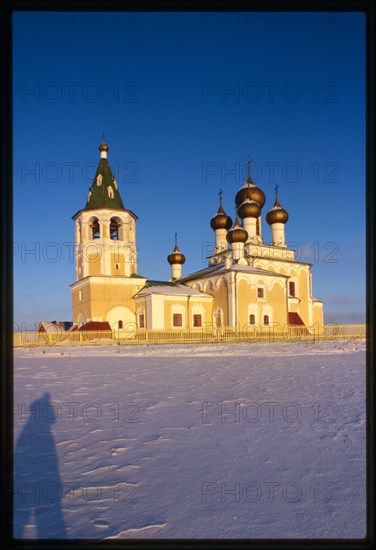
(103,147)
(249,209)
(237,234)
(176,257)
(221,220)
(277,214)
(250,191)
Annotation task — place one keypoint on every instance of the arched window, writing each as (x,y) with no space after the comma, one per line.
(120,324)
(252,319)
(266,319)
(95,231)
(258,227)
(115,226)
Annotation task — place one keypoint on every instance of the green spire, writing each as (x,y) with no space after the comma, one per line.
(103,192)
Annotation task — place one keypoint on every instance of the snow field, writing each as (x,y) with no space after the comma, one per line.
(191,441)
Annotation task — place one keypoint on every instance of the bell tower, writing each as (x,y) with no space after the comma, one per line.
(106,253)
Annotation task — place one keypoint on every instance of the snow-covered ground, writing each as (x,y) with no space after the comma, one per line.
(191,441)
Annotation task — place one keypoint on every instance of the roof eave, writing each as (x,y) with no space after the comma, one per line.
(134,216)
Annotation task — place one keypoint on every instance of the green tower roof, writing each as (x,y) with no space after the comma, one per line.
(103,192)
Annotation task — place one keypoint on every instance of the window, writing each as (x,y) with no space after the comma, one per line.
(120,324)
(266,319)
(260,293)
(95,228)
(115,229)
(291,288)
(252,319)
(141,320)
(197,322)
(116,266)
(80,295)
(258,227)
(177,320)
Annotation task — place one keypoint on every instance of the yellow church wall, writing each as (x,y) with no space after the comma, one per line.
(207,314)
(117,259)
(277,299)
(81,302)
(94,264)
(177,306)
(97,299)
(105,230)
(105,297)
(299,273)
(274,297)
(220,300)
(188,309)
(140,302)
(217,291)
(318,316)
(245,296)
(303,294)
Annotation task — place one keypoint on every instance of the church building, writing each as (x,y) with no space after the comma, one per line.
(247,283)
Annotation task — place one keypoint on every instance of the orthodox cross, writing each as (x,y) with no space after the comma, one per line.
(249,167)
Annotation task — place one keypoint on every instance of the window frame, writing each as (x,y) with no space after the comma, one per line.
(176,316)
(262,290)
(196,317)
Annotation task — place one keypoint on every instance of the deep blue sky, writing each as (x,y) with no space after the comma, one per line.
(183,99)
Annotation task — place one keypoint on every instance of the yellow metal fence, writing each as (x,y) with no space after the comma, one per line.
(141,336)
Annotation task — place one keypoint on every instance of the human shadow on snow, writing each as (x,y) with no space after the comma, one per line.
(37,483)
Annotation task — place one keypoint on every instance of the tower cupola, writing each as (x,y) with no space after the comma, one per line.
(250,190)
(237,236)
(176,259)
(277,217)
(220,223)
(103,192)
